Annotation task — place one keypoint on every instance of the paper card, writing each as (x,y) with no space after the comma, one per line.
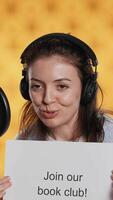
(43,170)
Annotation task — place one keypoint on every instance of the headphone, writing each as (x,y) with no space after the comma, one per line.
(90,84)
(5,113)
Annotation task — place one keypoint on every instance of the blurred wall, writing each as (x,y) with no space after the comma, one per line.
(22,21)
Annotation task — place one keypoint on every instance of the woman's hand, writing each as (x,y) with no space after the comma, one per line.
(4,184)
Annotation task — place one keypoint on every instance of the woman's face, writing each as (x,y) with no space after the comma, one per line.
(55,90)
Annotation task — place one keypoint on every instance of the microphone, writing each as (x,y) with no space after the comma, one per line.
(5,113)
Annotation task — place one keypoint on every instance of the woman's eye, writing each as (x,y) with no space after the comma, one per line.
(36,87)
(62,87)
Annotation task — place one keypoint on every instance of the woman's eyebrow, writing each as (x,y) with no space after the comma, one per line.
(37,80)
(62,79)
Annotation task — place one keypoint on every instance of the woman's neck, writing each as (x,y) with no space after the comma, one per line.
(66,132)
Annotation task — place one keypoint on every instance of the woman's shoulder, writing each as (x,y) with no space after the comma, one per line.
(108,129)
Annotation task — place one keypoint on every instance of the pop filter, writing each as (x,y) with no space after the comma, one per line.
(5,113)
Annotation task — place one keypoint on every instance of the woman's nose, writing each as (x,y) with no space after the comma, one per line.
(49,96)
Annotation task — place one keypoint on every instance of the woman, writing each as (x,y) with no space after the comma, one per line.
(60,86)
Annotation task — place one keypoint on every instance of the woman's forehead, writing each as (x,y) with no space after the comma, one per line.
(53,65)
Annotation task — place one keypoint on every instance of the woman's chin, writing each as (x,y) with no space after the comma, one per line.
(50,123)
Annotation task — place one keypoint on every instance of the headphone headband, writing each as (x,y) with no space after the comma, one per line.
(74,40)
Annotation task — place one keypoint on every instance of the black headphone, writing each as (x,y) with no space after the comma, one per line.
(90,84)
(5,113)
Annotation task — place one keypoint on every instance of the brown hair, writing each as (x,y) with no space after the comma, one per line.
(92,118)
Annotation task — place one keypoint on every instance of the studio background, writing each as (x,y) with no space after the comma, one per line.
(22,21)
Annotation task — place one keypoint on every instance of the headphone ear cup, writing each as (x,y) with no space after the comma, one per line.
(89,91)
(24,89)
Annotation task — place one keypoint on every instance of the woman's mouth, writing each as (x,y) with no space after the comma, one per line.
(49,114)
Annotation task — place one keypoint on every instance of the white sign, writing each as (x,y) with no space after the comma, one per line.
(42,170)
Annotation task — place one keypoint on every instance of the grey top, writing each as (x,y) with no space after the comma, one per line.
(108,129)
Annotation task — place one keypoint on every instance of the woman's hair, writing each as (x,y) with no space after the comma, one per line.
(90,116)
